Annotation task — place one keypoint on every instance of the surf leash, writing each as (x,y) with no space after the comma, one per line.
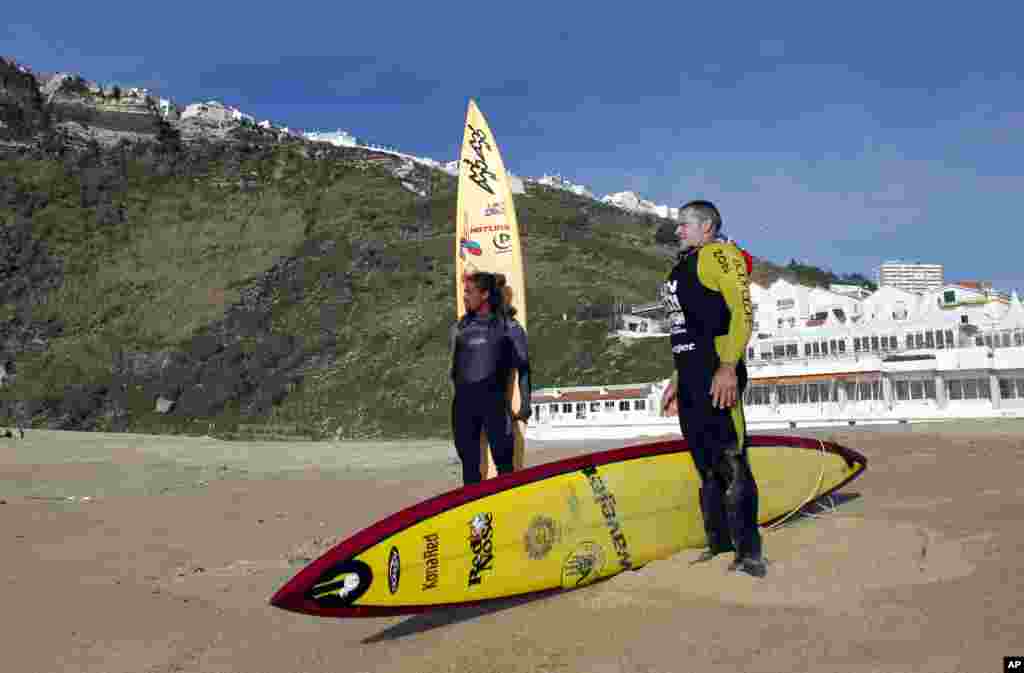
(821,478)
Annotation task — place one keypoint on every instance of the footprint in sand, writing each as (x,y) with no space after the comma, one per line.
(830,565)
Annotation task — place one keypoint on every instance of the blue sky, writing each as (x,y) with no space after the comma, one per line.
(842,136)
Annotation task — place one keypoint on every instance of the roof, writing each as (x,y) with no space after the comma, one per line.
(810,378)
(593,395)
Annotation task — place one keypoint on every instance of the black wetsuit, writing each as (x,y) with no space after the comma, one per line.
(484,353)
(707,297)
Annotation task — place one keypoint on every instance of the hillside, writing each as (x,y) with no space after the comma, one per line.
(153,280)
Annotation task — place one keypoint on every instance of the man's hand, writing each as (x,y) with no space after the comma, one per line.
(724,386)
(668,400)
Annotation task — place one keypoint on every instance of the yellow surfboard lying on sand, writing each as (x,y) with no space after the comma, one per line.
(550,527)
(487,239)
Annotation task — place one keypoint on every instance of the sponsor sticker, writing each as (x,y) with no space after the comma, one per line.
(489,228)
(606,501)
(471,246)
(341,585)
(394,570)
(541,535)
(431,561)
(503,242)
(583,565)
(481,544)
(479,171)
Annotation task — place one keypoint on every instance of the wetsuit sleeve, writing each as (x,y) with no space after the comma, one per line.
(518,347)
(520,360)
(722,268)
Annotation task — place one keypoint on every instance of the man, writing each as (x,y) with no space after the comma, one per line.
(487,344)
(707,297)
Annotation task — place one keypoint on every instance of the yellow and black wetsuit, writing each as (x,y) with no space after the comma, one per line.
(707,297)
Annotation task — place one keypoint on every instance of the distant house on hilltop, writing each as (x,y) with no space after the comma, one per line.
(211,111)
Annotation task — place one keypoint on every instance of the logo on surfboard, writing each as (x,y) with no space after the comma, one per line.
(394,570)
(496,208)
(431,561)
(582,565)
(479,171)
(472,246)
(481,544)
(542,534)
(606,501)
(503,242)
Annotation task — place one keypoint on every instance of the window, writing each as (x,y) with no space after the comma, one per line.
(901,390)
(639,405)
(916,390)
(874,344)
(970,389)
(954,389)
(750,353)
(910,341)
(812,393)
(929,339)
(783,304)
(1007,389)
(949,297)
(949,338)
(856,344)
(807,349)
(842,345)
(791,350)
(595,406)
(939,339)
(566,408)
(929,389)
(624,405)
(609,405)
(779,350)
(963,319)
(893,344)
(757,395)
(918,341)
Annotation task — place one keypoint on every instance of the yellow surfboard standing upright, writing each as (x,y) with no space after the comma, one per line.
(487,239)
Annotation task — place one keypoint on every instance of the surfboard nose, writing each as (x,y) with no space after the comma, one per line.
(288,597)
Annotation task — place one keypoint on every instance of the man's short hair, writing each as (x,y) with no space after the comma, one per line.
(704,212)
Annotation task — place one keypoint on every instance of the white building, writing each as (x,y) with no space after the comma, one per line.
(943,357)
(910,277)
(211,111)
(337,138)
(559,182)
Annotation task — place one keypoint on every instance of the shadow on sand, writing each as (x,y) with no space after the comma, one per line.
(817,509)
(428,621)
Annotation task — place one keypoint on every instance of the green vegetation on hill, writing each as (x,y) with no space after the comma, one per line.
(185,250)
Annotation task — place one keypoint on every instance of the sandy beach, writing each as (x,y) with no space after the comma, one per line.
(142,554)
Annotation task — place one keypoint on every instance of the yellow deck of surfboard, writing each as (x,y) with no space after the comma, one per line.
(487,239)
(572,529)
